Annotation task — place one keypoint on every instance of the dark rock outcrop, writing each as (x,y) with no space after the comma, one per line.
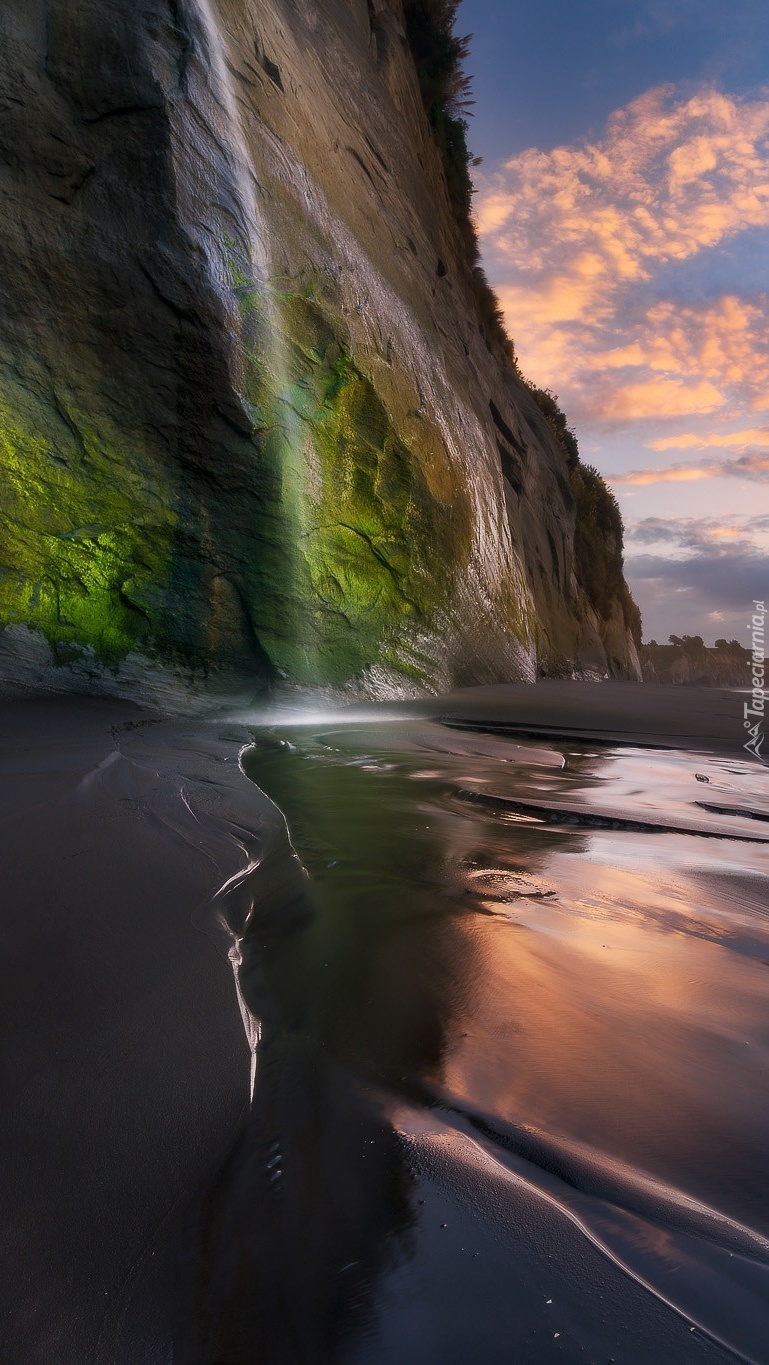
(250,426)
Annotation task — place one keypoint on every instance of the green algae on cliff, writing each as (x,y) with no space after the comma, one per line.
(251,422)
(82,537)
(357,552)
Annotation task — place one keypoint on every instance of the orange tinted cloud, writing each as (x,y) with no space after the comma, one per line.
(730,440)
(695,359)
(754,467)
(576,237)
(675,475)
(657,397)
(666,180)
(725,341)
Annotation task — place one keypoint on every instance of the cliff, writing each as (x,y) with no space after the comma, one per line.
(251,425)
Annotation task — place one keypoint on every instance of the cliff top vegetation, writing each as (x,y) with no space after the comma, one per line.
(440,57)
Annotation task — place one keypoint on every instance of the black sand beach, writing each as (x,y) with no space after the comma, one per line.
(511,988)
(125,1061)
(700,719)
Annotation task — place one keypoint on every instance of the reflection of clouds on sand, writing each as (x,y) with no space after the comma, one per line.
(580,1000)
(609,1011)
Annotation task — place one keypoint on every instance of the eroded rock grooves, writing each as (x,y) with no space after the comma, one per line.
(250,425)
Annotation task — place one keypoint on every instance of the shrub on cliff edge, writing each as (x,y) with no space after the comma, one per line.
(439,55)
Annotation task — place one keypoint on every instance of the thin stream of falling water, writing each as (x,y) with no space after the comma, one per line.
(225,115)
(230,132)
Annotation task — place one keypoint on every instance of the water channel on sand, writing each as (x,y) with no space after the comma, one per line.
(511,1095)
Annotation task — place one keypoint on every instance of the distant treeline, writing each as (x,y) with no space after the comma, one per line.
(440,57)
(686,659)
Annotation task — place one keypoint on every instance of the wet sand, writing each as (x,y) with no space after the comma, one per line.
(125,1062)
(700,719)
(511,995)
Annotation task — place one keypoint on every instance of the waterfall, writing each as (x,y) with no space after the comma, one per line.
(234,236)
(218,104)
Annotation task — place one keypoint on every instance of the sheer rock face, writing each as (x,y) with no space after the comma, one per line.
(250,426)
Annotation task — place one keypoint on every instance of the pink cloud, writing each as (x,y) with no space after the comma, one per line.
(677,474)
(729,440)
(666,180)
(576,236)
(657,397)
(754,467)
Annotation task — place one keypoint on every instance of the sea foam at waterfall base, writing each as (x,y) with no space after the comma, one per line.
(490,1081)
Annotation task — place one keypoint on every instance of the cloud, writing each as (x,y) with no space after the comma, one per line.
(726,584)
(581,241)
(622,272)
(666,180)
(706,572)
(697,361)
(657,397)
(729,440)
(700,535)
(754,467)
(702,352)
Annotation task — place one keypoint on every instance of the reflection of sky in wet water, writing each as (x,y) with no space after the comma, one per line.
(588,1001)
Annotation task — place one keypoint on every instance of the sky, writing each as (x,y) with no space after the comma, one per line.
(623,209)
